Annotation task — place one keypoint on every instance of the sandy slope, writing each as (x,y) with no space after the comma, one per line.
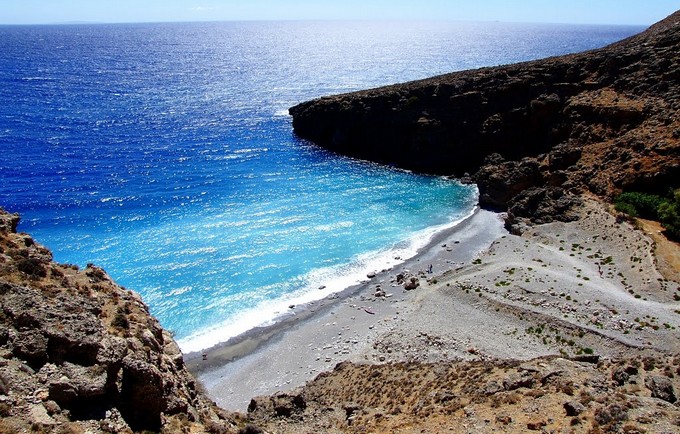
(562,288)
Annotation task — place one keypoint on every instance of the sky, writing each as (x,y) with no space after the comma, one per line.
(638,12)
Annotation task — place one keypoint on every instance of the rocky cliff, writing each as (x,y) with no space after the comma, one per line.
(532,133)
(78,353)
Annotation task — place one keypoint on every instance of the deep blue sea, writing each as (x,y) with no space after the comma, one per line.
(164,153)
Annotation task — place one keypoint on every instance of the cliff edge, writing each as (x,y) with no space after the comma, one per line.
(532,133)
(79,353)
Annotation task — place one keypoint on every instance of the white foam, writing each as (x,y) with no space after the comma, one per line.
(318,284)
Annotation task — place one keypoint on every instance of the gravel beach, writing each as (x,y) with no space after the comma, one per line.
(342,327)
(576,288)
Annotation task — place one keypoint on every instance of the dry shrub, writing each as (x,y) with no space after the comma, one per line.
(32,266)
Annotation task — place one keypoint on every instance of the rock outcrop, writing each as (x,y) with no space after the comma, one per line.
(78,353)
(602,121)
(549,394)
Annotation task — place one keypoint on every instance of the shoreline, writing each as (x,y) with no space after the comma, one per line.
(341,280)
(260,361)
(587,287)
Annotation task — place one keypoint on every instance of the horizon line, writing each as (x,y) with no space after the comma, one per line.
(264,20)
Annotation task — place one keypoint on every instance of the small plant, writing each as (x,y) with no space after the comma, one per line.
(413,100)
(120,320)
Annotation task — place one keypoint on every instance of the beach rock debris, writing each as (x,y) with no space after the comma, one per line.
(407,280)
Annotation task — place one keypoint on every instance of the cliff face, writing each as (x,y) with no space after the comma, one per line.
(78,353)
(600,121)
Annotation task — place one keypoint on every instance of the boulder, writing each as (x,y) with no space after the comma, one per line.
(515,381)
(280,405)
(621,375)
(542,205)
(574,408)
(411,283)
(661,388)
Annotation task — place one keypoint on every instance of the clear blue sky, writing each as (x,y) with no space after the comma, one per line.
(563,11)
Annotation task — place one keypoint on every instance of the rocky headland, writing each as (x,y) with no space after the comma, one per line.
(533,135)
(567,324)
(81,354)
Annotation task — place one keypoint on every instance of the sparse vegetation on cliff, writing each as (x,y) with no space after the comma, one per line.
(637,204)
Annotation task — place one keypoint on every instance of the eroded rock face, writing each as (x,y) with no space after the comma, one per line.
(77,349)
(601,121)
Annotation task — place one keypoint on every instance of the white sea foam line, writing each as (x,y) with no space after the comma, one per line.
(321,283)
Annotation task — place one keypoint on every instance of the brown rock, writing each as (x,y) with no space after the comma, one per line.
(536,425)
(411,283)
(573,408)
(661,387)
(63,354)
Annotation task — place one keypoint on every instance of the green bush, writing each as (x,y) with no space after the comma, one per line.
(626,208)
(645,205)
(669,215)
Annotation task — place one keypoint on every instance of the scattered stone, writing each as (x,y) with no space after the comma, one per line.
(573,408)
(661,388)
(611,413)
(622,374)
(536,425)
(40,417)
(503,418)
(251,429)
(492,388)
(515,381)
(411,283)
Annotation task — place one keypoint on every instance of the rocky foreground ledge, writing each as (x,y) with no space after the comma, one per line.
(79,353)
(531,134)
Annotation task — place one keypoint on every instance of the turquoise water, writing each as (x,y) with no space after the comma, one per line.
(164,153)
